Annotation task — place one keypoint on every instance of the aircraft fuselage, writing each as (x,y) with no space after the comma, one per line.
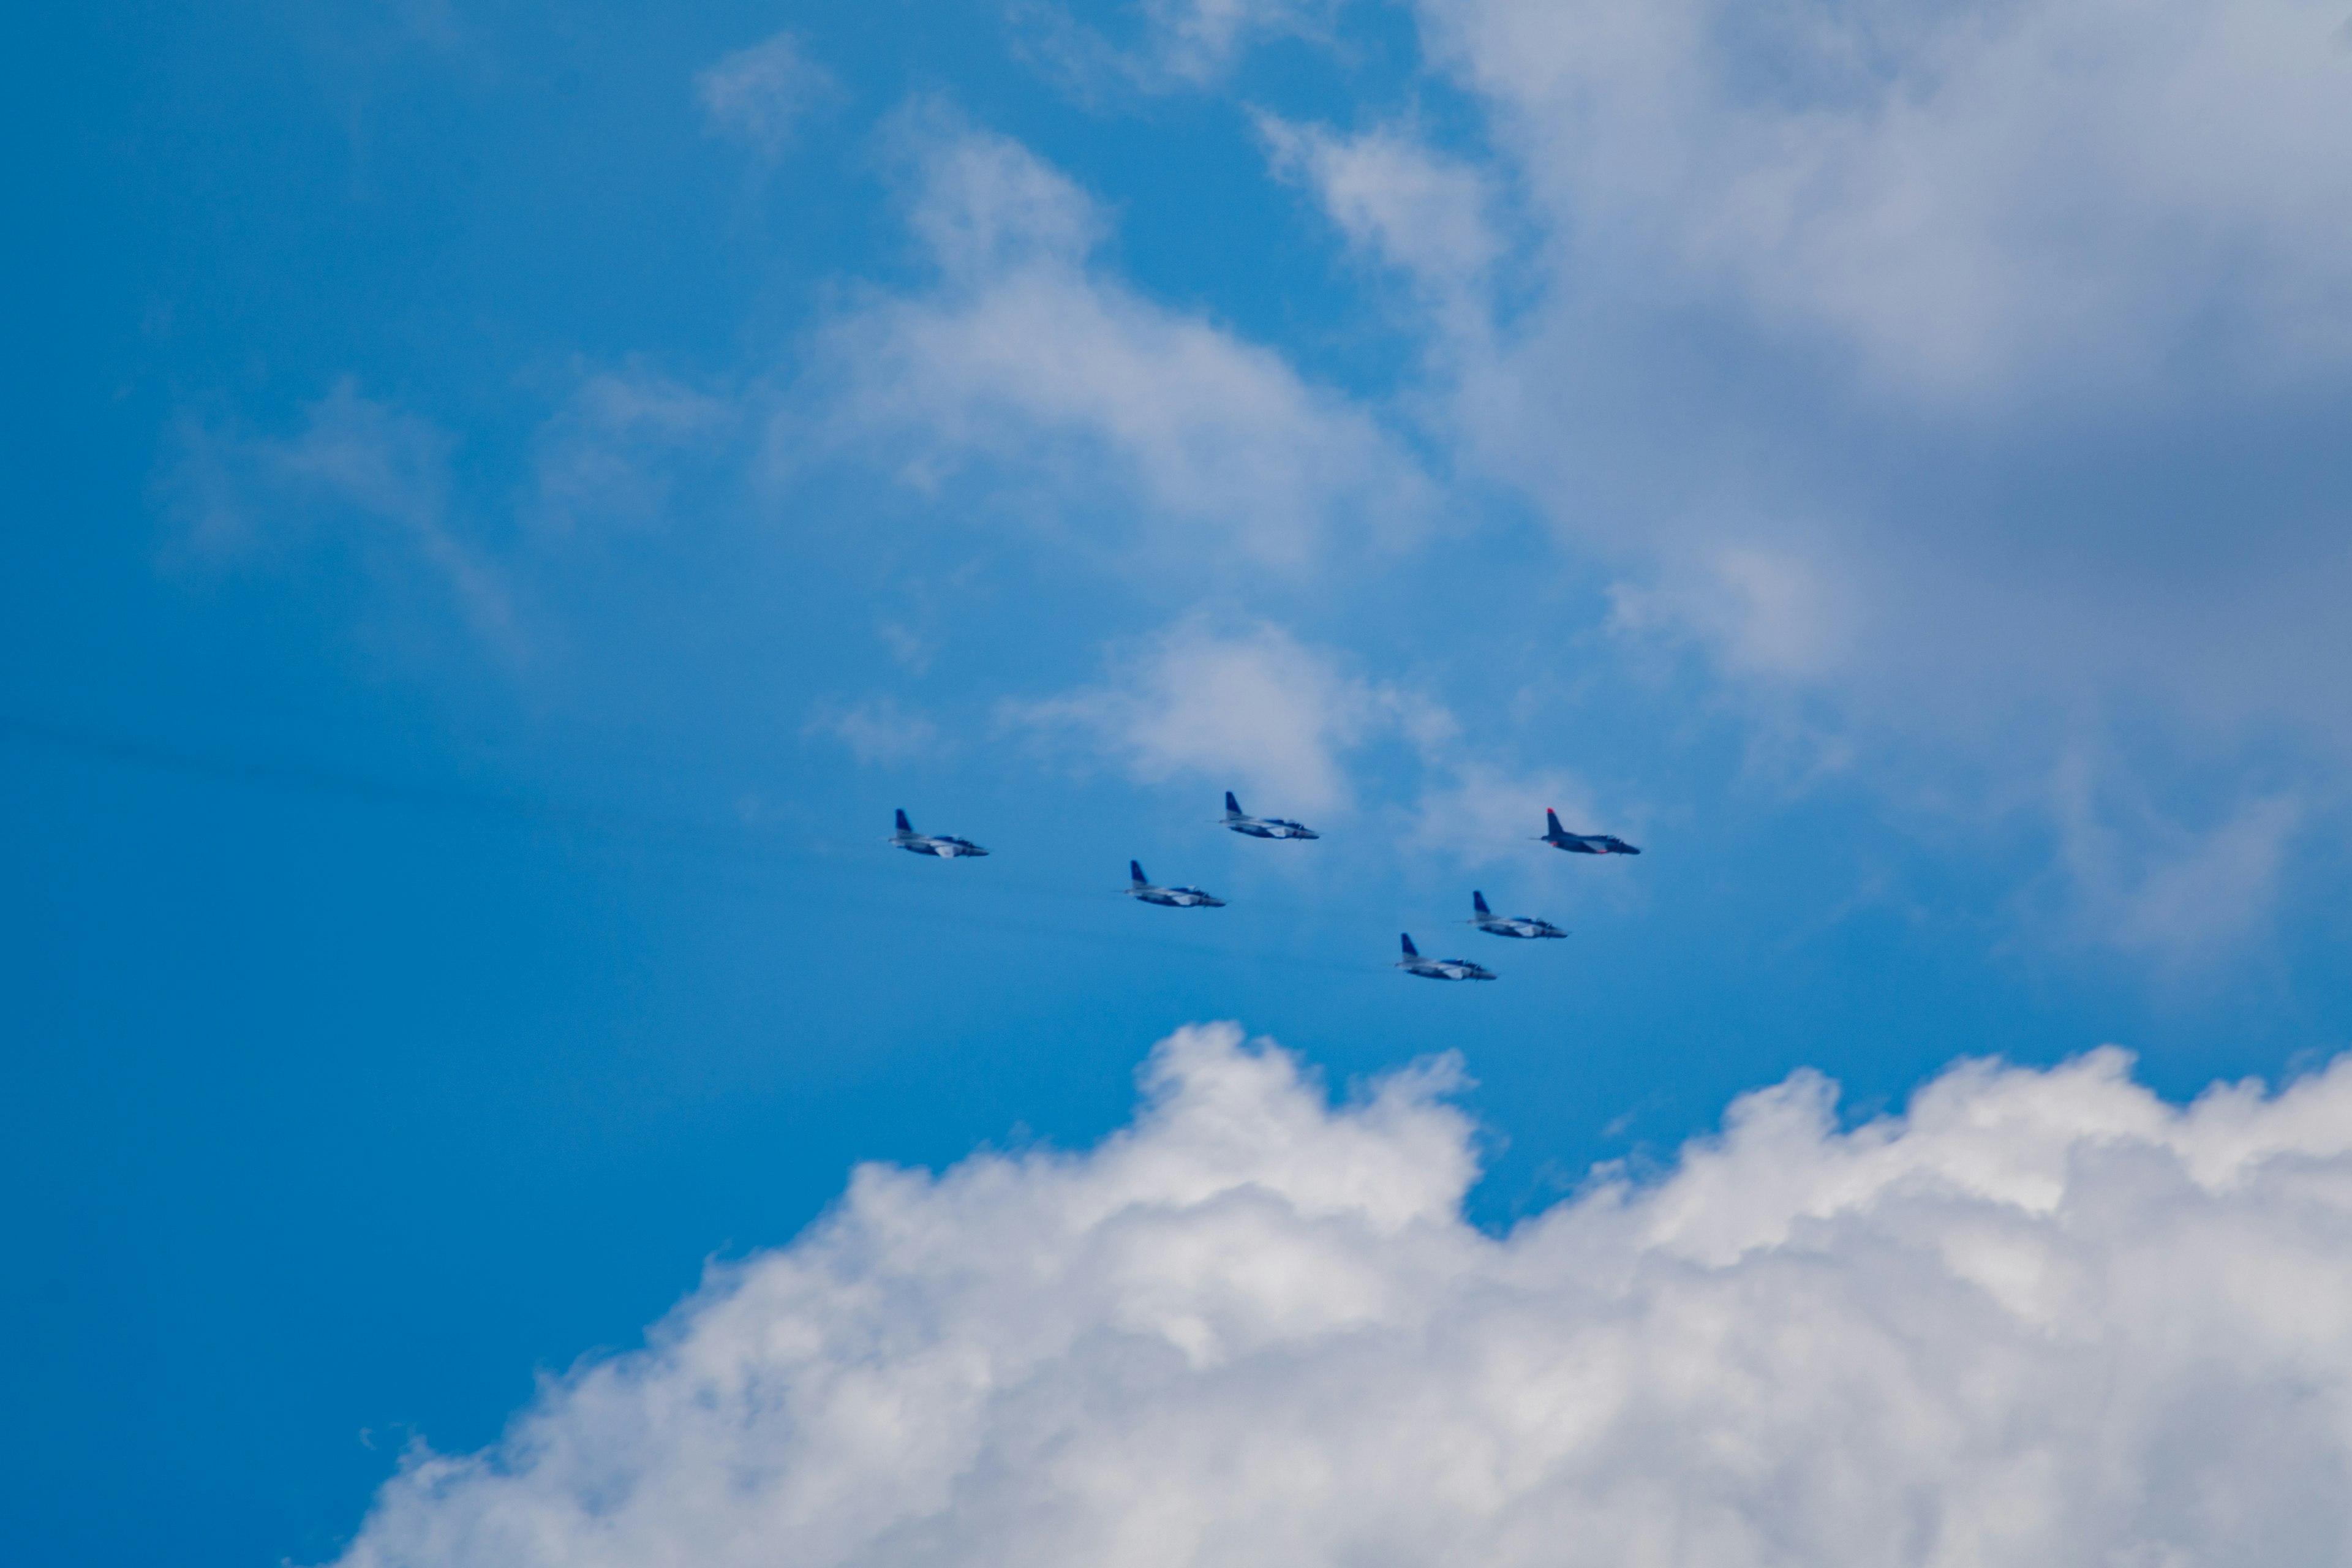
(1446,969)
(1272,828)
(1506,925)
(1177,897)
(945,847)
(1589,844)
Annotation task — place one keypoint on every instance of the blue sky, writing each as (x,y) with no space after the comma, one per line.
(505,502)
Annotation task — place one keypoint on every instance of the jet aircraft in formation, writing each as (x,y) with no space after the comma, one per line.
(1559,838)
(1241,821)
(1439,968)
(1492,924)
(946,846)
(1173,898)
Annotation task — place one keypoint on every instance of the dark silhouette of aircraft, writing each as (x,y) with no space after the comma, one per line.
(946,846)
(1559,838)
(1440,968)
(1492,924)
(1241,821)
(1173,898)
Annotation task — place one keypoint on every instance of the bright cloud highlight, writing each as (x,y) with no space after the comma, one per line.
(2042,1317)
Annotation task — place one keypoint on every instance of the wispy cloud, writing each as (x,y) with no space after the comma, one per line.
(876,731)
(1027,367)
(2189,897)
(759,96)
(611,451)
(381,475)
(1972,199)
(1404,204)
(1478,812)
(1241,705)
(1176,44)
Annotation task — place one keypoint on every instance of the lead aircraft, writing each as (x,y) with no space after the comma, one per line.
(1440,968)
(1559,838)
(946,846)
(1241,821)
(1173,898)
(1492,924)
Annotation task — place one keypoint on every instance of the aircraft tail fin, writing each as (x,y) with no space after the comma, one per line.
(1135,874)
(1232,806)
(1409,951)
(1551,820)
(1478,902)
(903,825)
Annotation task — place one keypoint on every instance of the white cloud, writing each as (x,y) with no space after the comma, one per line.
(1028,367)
(1481,813)
(759,95)
(1198,39)
(1969,197)
(2043,1318)
(1961,379)
(1401,202)
(355,461)
(2188,896)
(875,730)
(608,452)
(1246,708)
(1766,609)
(1183,43)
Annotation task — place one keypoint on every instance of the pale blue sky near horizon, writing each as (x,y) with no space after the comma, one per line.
(504,503)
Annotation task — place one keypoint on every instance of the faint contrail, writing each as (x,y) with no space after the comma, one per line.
(730,842)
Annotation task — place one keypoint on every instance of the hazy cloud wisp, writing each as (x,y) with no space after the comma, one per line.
(1246,704)
(759,95)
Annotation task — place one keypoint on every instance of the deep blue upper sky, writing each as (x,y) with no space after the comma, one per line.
(502,504)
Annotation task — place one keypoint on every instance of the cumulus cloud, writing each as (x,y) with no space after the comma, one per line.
(759,95)
(2042,1317)
(378,473)
(1027,363)
(1249,707)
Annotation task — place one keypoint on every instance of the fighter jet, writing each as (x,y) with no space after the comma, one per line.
(1174,897)
(946,846)
(1263,826)
(1487,921)
(1559,838)
(1440,968)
